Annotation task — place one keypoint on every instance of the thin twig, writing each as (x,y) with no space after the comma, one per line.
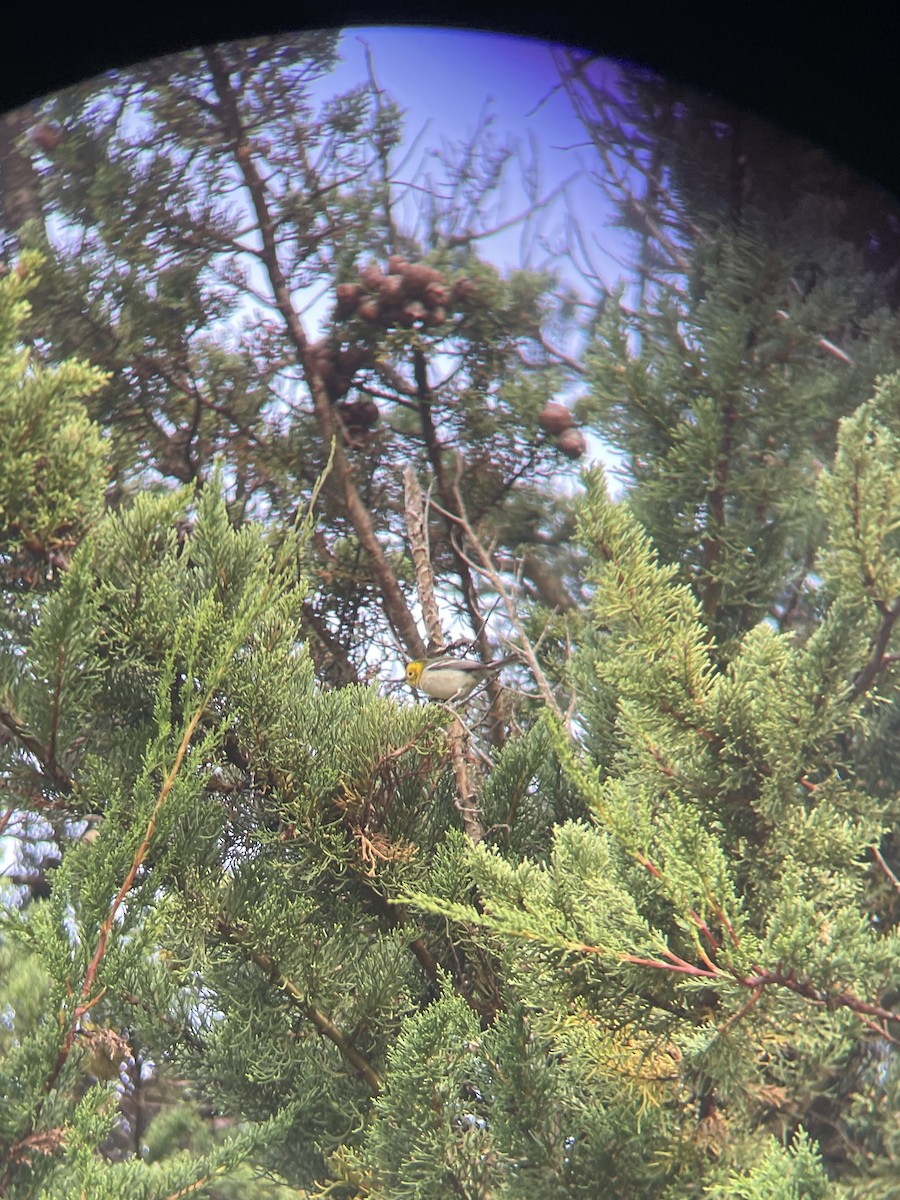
(417,531)
(879,858)
(488,571)
(320,1020)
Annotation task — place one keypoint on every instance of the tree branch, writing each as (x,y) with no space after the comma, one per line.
(486,568)
(44,754)
(417,529)
(395,605)
(320,1020)
(879,657)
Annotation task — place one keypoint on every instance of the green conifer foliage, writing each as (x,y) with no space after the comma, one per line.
(51,455)
(625,924)
(709,936)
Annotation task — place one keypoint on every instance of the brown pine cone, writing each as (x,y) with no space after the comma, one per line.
(571,443)
(348,297)
(555,419)
(437,295)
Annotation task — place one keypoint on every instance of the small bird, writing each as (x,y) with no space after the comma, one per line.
(451,678)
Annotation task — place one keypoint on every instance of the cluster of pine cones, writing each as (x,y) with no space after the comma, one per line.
(558,423)
(407,294)
(337,367)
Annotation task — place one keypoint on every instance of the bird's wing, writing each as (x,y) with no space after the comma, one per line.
(457,664)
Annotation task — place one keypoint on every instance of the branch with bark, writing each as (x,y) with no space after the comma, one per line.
(417,529)
(395,606)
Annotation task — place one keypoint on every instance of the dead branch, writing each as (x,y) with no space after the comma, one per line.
(486,569)
(417,531)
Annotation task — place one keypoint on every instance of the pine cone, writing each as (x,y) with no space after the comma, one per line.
(464,291)
(412,312)
(348,297)
(391,288)
(416,278)
(47,137)
(437,295)
(555,419)
(350,360)
(571,443)
(371,276)
(359,415)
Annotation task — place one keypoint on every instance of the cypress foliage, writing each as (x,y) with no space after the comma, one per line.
(626,928)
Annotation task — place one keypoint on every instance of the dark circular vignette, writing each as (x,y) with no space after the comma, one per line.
(829,78)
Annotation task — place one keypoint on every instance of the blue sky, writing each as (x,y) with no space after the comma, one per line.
(445,77)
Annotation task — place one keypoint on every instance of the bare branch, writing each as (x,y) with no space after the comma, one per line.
(417,531)
(395,605)
(44,754)
(879,657)
(879,858)
(485,567)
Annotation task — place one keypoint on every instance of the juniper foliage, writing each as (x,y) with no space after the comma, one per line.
(250,942)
